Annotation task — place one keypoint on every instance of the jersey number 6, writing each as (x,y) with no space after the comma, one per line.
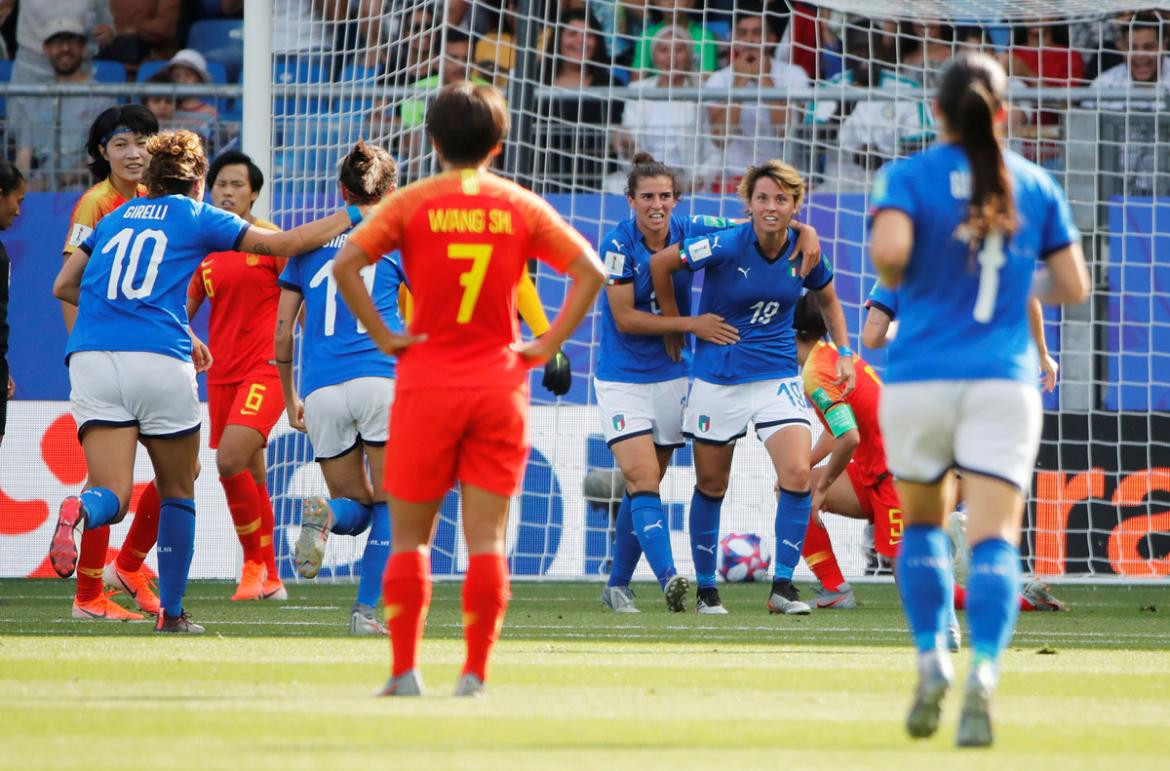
(471,279)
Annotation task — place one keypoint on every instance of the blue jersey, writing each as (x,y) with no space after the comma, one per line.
(142,256)
(336,347)
(964,316)
(623,358)
(755,295)
(884,299)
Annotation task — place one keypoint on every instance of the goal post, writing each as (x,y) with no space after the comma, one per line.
(837,88)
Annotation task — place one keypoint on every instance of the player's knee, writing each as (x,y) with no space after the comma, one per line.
(229,462)
(641,478)
(794,478)
(713,485)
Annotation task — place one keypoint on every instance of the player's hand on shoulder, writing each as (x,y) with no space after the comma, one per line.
(808,248)
(846,374)
(296,414)
(712,328)
(200,353)
(558,374)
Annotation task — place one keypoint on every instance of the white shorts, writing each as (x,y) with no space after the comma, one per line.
(342,416)
(157,393)
(989,427)
(637,409)
(719,414)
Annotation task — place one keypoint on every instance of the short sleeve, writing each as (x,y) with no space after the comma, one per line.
(383,231)
(88,244)
(220,230)
(884,299)
(820,276)
(290,277)
(553,241)
(618,257)
(83,222)
(1059,229)
(892,189)
(709,250)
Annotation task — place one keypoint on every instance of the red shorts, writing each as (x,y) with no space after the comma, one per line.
(882,507)
(442,435)
(257,402)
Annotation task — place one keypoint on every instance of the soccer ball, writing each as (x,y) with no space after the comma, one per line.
(742,558)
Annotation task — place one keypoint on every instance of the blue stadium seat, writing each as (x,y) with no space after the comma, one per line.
(219,40)
(214,69)
(210,9)
(108,72)
(357,87)
(5,76)
(286,71)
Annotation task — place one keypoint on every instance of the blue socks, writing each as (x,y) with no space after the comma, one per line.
(101,506)
(792,514)
(626,548)
(349,516)
(926,584)
(992,597)
(703,522)
(375,556)
(653,534)
(176,547)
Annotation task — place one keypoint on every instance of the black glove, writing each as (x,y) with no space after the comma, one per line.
(558,374)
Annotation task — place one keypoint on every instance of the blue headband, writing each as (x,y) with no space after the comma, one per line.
(119,130)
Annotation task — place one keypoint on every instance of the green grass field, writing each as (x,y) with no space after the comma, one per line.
(283,686)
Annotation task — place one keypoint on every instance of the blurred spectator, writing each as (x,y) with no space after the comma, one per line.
(1041,55)
(50,144)
(573,140)
(143,29)
(749,132)
(874,130)
(190,68)
(495,51)
(670,130)
(166,110)
(925,50)
(1099,42)
(1146,62)
(162,107)
(802,39)
(678,13)
(414,54)
(456,66)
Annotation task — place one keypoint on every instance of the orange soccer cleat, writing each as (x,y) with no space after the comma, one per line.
(103,608)
(273,588)
(251,585)
(136,585)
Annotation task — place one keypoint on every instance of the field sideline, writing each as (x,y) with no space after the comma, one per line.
(283,686)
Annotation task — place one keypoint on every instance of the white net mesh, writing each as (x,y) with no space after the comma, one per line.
(837,89)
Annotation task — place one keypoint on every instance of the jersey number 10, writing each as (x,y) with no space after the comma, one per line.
(123,272)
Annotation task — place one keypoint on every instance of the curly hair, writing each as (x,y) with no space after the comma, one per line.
(369,173)
(177,162)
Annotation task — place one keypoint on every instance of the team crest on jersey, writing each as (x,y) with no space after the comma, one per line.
(253,260)
(704,423)
(619,422)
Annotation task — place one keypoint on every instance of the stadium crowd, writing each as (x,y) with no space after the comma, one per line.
(585,138)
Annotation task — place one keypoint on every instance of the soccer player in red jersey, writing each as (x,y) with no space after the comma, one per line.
(117,148)
(244,397)
(460,411)
(853,443)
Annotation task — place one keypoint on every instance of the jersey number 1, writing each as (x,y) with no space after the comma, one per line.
(471,279)
(991,258)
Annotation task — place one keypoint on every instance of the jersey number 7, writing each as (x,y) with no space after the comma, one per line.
(471,279)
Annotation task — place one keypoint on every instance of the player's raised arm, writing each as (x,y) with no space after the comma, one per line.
(305,238)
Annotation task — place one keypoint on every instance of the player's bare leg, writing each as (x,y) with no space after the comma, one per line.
(406,590)
(485,588)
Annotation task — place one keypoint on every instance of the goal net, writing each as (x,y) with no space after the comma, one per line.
(837,89)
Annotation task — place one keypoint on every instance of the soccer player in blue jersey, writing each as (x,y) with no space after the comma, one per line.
(750,282)
(348,385)
(129,354)
(960,229)
(641,388)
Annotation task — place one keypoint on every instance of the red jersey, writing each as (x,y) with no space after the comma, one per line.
(95,203)
(465,237)
(243,293)
(820,374)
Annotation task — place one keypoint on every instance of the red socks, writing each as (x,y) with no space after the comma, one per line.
(90,561)
(267,527)
(961,600)
(244,503)
(485,601)
(143,531)
(818,553)
(406,593)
